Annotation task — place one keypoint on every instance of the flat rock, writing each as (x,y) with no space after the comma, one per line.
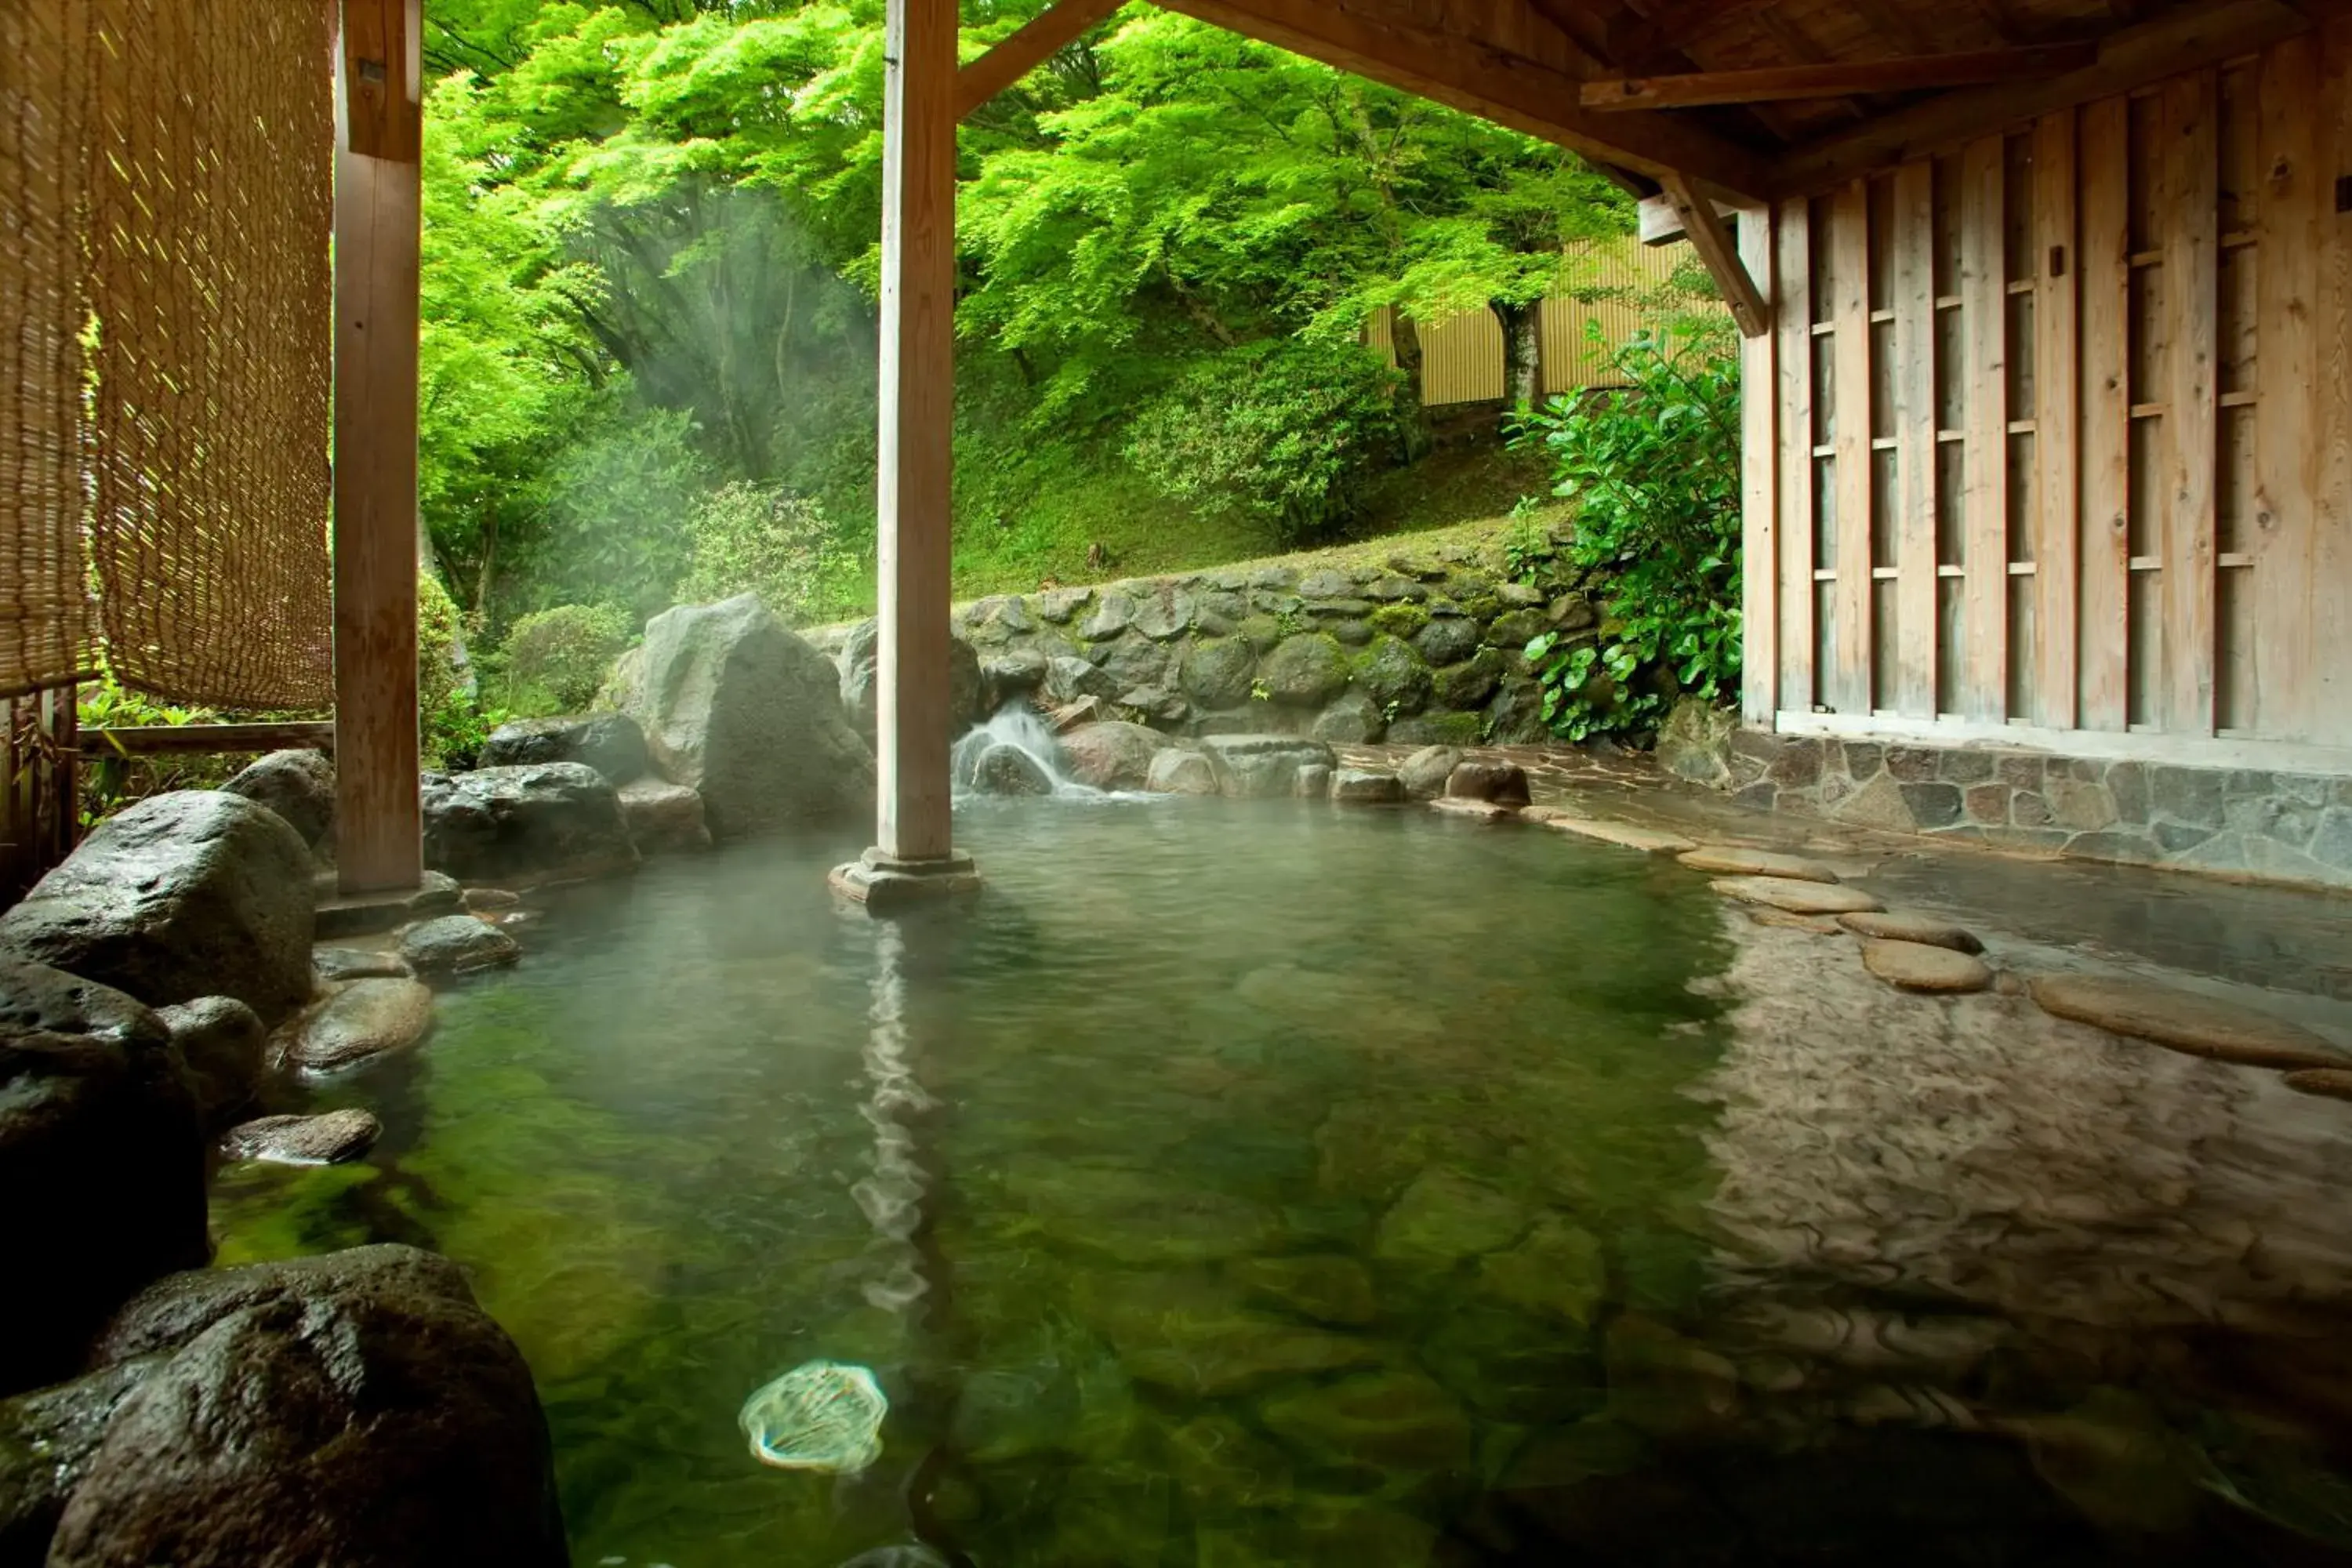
(1480,810)
(1922,966)
(2334,1083)
(1180,772)
(364,1020)
(2184,1020)
(541,819)
(336,965)
(1899,925)
(1264,766)
(1366,787)
(328,1139)
(456,944)
(1781,919)
(1625,834)
(1728,860)
(1798,898)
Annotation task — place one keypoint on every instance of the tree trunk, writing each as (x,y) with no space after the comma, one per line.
(1405,338)
(1522,351)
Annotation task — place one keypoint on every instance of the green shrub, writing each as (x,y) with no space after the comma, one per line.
(1289,432)
(759,538)
(452,722)
(1654,470)
(555,659)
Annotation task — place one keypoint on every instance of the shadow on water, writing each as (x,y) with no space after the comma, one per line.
(1257,1184)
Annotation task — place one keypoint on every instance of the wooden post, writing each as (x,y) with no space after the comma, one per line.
(914,853)
(379,843)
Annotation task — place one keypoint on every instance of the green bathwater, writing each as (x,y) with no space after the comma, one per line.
(1240,1185)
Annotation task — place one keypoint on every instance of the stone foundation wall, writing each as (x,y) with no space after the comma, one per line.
(1410,645)
(2225,821)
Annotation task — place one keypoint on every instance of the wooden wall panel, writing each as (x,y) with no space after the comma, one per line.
(2329,637)
(1914,297)
(1792,328)
(2103,633)
(2191,290)
(2056,405)
(1984,682)
(1847,688)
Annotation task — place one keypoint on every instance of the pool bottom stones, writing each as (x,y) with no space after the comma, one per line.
(886,884)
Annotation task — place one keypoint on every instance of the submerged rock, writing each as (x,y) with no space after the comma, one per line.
(356,1410)
(1391,1423)
(2186,1021)
(1194,1336)
(664,819)
(1557,1269)
(328,1139)
(1264,766)
(1443,1218)
(612,743)
(1326,1287)
(1423,773)
(223,1045)
(101,1162)
(191,893)
(362,1020)
(740,710)
(547,819)
(1625,834)
(454,944)
(299,785)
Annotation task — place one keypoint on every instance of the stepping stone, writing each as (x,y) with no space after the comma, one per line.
(328,1139)
(2335,1083)
(360,1021)
(1816,925)
(2185,1021)
(1922,966)
(1899,925)
(1484,810)
(457,944)
(1797,898)
(1625,834)
(336,965)
(1725,860)
(1504,782)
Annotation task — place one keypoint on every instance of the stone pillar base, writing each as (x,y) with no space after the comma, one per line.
(886,884)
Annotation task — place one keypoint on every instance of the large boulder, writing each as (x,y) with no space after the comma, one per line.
(222,1046)
(102,1163)
(1258,766)
(356,1410)
(299,785)
(610,742)
(1112,754)
(191,893)
(740,710)
(860,662)
(663,818)
(1305,671)
(559,820)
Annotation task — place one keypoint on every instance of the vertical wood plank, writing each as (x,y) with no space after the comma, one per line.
(1759,391)
(379,818)
(2292,202)
(1850,233)
(2191,426)
(918,401)
(1792,332)
(2331,622)
(2104,632)
(1984,682)
(1915,435)
(2056,406)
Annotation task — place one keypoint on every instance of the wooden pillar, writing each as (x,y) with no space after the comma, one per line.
(918,396)
(378,829)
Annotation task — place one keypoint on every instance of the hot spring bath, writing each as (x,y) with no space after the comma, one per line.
(1246,1182)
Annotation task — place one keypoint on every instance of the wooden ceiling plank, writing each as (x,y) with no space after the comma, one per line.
(1481,79)
(1038,40)
(1715,248)
(1837,79)
(2133,57)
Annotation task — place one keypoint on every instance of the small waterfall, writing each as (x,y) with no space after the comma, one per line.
(1020,727)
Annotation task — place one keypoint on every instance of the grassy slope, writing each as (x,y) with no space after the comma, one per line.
(1030,518)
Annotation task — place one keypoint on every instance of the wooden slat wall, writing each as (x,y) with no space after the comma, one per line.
(2121,352)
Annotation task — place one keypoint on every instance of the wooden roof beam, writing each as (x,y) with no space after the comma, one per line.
(2133,57)
(1483,79)
(1837,79)
(1715,247)
(1038,41)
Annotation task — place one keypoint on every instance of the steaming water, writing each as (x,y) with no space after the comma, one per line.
(1251,1184)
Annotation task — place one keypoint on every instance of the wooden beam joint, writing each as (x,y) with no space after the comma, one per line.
(1044,36)
(1714,243)
(1835,80)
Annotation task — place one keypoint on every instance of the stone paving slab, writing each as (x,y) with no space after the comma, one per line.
(1731,860)
(1625,835)
(1920,966)
(1797,898)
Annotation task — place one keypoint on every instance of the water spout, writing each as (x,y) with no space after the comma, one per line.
(1013,751)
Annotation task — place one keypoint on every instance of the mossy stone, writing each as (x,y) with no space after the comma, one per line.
(1305,671)
(1261,632)
(1436,729)
(1471,682)
(1392,675)
(1402,619)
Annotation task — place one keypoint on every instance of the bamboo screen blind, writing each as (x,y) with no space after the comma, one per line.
(2060,423)
(165,176)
